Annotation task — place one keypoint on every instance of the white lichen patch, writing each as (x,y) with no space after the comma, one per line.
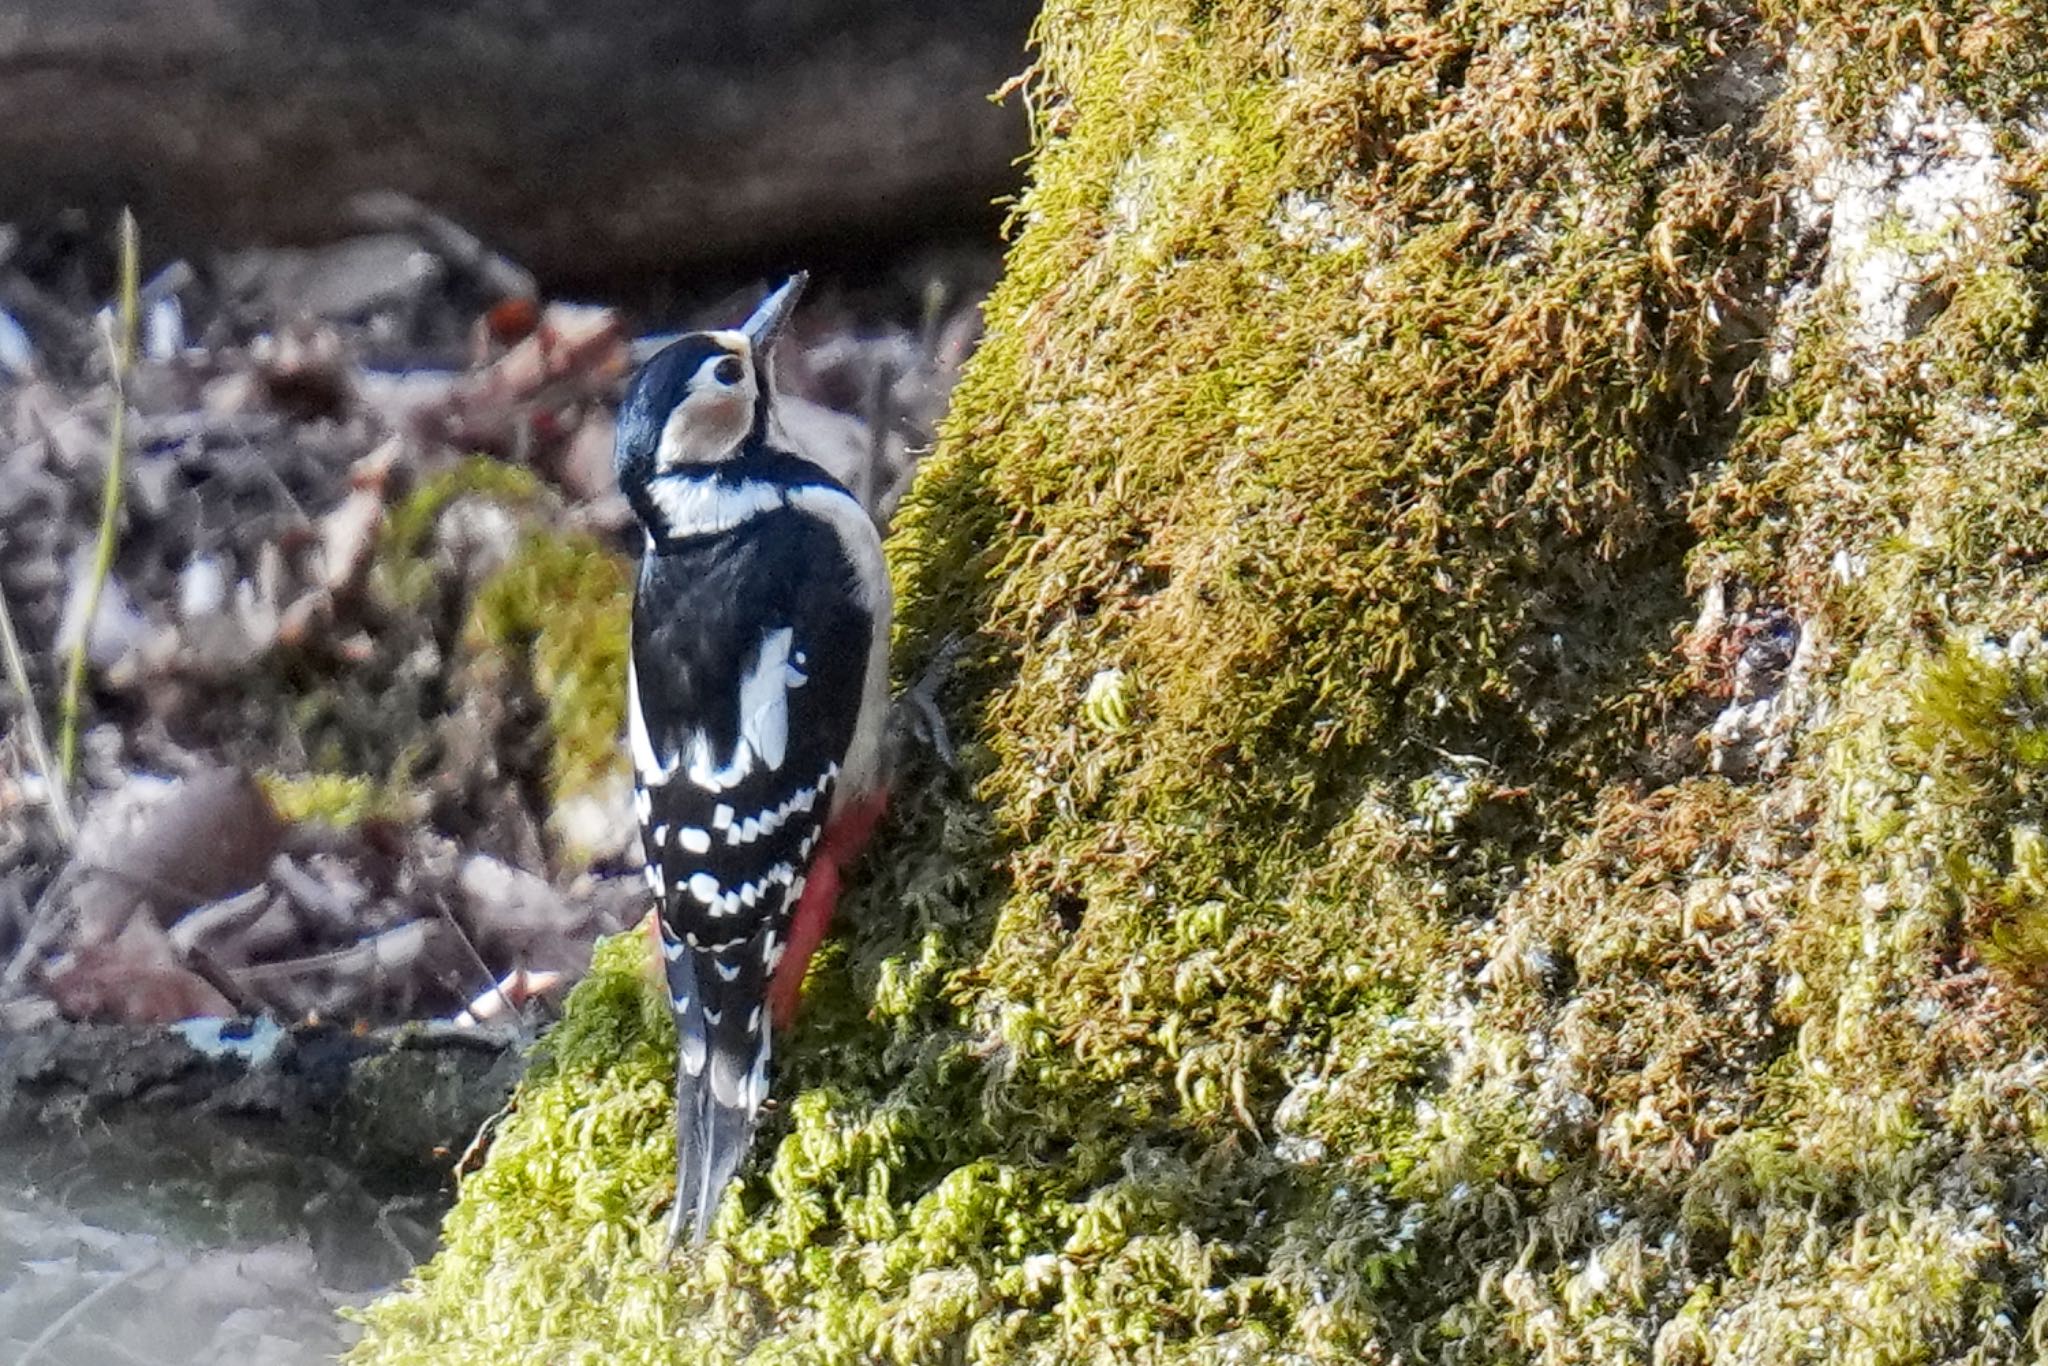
(1315,224)
(1922,195)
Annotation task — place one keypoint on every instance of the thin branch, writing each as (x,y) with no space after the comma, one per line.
(32,728)
(121,348)
(46,924)
(393,948)
(491,981)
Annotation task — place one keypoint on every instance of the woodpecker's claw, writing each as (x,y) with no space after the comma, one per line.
(917,710)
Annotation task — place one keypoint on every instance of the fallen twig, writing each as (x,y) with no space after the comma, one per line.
(507,995)
(313,896)
(493,986)
(455,244)
(391,949)
(45,927)
(208,969)
(229,915)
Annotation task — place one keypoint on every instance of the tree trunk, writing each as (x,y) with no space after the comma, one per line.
(588,139)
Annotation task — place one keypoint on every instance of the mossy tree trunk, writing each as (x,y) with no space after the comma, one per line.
(1502,550)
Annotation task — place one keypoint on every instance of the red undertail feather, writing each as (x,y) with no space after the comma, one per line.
(845,836)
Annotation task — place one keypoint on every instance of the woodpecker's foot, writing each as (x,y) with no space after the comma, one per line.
(917,710)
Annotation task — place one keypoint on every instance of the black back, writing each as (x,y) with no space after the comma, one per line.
(701,610)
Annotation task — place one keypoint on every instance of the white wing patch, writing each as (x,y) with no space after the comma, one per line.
(764,719)
(764,697)
(647,765)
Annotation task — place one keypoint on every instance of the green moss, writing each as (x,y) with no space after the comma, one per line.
(562,607)
(1343,953)
(551,620)
(407,576)
(344,800)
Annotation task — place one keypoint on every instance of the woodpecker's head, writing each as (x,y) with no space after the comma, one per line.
(703,398)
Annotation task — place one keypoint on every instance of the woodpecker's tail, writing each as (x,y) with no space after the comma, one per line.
(721,1079)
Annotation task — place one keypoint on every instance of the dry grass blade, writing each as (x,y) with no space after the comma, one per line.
(32,727)
(121,351)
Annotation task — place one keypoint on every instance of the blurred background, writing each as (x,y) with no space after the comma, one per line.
(314,574)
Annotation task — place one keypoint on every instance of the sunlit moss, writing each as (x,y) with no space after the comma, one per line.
(564,603)
(410,525)
(337,799)
(552,617)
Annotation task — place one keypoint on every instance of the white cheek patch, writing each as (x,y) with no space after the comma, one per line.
(712,419)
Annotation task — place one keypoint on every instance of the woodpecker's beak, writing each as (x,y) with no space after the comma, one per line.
(762,329)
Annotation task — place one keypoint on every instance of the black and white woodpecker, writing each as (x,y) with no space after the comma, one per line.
(757,693)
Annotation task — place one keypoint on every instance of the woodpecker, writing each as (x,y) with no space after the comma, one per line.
(757,692)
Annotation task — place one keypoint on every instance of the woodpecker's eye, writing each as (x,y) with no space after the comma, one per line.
(728,371)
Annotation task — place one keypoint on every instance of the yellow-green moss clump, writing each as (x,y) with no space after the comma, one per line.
(561,608)
(541,609)
(1355,950)
(330,798)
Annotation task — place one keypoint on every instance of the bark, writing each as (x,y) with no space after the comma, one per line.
(588,138)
